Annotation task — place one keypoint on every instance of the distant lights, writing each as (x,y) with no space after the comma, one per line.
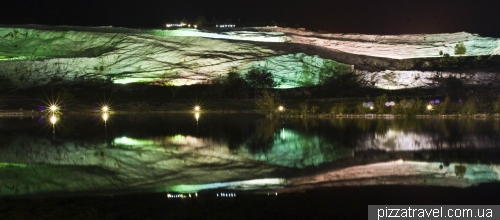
(180,196)
(391,103)
(225,25)
(226,195)
(368,105)
(197,108)
(275,193)
(281,108)
(435,102)
(178,25)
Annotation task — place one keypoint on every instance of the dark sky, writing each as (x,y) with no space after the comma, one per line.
(346,16)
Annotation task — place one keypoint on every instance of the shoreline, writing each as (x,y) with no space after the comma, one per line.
(25,113)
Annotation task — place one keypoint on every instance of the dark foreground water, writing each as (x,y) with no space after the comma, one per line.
(184,165)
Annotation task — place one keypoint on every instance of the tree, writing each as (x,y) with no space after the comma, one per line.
(235,84)
(260,79)
(460,48)
(266,103)
(380,103)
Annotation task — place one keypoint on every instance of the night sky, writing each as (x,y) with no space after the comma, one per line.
(346,16)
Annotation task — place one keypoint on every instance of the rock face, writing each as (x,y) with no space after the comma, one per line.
(39,55)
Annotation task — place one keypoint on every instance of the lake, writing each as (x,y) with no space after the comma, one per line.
(221,156)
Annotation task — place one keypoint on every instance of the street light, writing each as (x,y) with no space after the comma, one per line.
(53,108)
(281,108)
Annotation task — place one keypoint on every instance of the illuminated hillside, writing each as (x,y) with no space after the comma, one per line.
(41,55)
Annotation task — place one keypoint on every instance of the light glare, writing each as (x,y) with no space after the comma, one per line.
(53,119)
(105,116)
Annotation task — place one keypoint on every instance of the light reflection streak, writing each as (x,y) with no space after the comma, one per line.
(401,173)
(105,117)
(246,184)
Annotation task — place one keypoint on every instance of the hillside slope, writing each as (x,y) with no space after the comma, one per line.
(33,55)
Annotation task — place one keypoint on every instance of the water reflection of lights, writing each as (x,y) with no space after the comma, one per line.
(105,117)
(53,119)
(226,194)
(132,142)
(197,116)
(181,196)
(247,184)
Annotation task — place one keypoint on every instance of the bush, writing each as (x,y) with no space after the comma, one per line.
(496,106)
(469,107)
(339,109)
(408,107)
(304,109)
(314,109)
(441,107)
(380,103)
(266,103)
(360,109)
(460,48)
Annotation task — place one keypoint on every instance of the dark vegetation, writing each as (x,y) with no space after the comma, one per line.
(338,94)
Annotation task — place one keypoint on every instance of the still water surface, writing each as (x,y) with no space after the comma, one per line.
(186,153)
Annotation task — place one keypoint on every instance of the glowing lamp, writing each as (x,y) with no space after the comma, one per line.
(105,108)
(53,108)
(197,108)
(371,107)
(281,108)
(429,107)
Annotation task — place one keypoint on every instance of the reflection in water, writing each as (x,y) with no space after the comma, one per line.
(53,119)
(400,173)
(242,185)
(105,117)
(169,154)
